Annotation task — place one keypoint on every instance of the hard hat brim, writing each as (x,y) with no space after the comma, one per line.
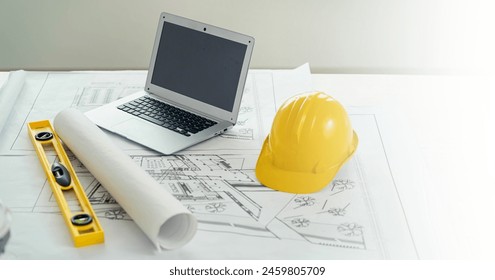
(294,182)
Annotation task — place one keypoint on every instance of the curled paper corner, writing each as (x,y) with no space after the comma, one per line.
(163,218)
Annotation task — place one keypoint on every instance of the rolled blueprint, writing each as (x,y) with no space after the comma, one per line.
(9,93)
(166,222)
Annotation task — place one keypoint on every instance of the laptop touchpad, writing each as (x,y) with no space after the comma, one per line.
(137,130)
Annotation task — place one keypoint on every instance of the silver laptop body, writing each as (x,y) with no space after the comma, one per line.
(195,67)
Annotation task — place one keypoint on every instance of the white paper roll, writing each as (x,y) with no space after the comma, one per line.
(9,93)
(160,215)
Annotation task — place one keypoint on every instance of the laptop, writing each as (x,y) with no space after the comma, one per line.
(193,89)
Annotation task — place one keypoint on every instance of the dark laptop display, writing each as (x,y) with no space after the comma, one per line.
(199,65)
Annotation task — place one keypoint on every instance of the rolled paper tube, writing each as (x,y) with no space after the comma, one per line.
(166,222)
(9,93)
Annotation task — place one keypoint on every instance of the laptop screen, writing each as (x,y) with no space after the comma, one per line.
(198,65)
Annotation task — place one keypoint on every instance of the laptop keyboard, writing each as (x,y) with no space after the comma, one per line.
(166,115)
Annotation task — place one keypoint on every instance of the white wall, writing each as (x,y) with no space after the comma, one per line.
(335,36)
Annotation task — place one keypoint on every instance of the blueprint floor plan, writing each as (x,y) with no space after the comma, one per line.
(358,215)
(223,193)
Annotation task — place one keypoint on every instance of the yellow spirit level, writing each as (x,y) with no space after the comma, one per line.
(83,223)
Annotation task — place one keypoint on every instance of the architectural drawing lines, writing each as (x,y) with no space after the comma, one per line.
(216,179)
(222,192)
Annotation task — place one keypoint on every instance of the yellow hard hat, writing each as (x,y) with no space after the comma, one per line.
(310,139)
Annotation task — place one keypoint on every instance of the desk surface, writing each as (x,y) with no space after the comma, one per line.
(436,132)
(450,120)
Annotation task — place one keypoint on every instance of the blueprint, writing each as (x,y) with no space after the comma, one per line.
(46,94)
(223,193)
(357,216)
